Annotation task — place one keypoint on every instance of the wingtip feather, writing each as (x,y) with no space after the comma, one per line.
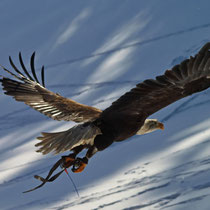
(33,68)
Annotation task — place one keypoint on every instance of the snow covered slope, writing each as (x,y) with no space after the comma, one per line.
(94,51)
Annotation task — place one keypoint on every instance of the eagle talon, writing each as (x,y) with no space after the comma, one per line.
(67,161)
(79,165)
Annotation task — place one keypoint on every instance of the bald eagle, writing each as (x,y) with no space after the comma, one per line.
(126,117)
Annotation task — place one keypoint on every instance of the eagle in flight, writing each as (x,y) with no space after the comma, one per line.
(127,116)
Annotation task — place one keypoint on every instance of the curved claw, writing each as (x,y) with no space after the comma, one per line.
(79,165)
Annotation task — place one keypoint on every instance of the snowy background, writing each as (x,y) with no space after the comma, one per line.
(94,51)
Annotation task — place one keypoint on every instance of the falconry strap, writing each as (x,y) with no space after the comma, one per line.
(48,178)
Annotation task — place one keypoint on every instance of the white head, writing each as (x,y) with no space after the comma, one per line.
(150,125)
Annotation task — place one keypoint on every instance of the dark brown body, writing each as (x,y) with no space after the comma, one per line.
(117,127)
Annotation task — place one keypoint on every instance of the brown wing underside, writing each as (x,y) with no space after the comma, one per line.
(29,90)
(191,76)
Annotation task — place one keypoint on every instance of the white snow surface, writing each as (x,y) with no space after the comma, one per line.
(94,51)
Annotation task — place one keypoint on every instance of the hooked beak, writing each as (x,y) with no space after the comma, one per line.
(161,126)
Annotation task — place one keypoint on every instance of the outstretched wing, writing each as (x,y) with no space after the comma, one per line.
(191,76)
(28,89)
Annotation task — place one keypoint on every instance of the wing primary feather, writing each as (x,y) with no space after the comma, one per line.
(171,76)
(24,68)
(183,68)
(163,80)
(153,83)
(198,60)
(42,73)
(32,67)
(206,66)
(14,67)
(175,70)
(203,62)
(14,75)
(190,66)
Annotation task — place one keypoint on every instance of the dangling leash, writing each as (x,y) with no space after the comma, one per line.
(75,188)
(51,179)
(48,179)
